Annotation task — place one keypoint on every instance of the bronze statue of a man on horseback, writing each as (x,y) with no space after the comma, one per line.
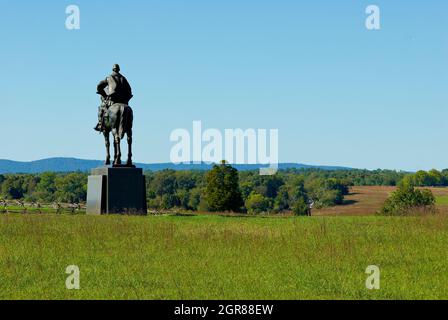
(114,115)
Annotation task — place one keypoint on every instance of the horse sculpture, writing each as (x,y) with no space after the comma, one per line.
(117,118)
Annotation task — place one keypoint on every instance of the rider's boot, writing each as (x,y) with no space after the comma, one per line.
(98,127)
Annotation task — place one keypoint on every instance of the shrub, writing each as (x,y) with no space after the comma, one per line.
(407,200)
(257,203)
(300,207)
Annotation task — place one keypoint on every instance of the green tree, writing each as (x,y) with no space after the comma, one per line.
(246,188)
(186,180)
(297,195)
(164,182)
(46,188)
(408,180)
(195,198)
(13,187)
(273,184)
(282,199)
(257,203)
(435,177)
(71,187)
(30,185)
(422,178)
(300,207)
(169,201)
(222,188)
(183,198)
(338,185)
(326,191)
(444,174)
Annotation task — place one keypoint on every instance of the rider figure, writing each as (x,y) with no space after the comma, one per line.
(118,91)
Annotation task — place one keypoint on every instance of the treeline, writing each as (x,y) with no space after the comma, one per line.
(432,178)
(223,188)
(47,187)
(356,177)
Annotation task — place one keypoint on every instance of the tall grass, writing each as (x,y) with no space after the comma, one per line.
(212,257)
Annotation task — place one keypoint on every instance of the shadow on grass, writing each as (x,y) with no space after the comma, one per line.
(180,214)
(348,202)
(228,215)
(265,216)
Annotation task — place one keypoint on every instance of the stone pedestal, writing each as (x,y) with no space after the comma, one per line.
(119,190)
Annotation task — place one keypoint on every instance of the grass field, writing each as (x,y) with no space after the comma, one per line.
(214,257)
(442,200)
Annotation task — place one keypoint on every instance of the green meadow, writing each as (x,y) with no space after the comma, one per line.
(442,200)
(217,257)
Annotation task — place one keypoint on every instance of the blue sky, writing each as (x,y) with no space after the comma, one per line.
(338,93)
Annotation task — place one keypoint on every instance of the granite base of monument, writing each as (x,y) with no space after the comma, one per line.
(120,190)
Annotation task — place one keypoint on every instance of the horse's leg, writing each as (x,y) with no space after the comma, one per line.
(117,146)
(117,138)
(129,136)
(106,138)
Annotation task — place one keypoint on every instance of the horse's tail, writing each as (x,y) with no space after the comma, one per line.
(126,120)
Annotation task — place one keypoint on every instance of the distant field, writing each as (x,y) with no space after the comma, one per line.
(364,201)
(213,257)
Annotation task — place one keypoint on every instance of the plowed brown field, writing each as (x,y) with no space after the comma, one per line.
(364,201)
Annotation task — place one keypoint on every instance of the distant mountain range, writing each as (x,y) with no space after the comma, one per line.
(73,164)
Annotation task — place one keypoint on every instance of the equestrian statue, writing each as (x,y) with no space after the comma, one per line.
(115,115)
